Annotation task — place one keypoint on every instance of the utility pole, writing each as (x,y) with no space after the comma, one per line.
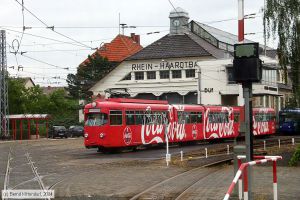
(199,86)
(247,93)
(4,121)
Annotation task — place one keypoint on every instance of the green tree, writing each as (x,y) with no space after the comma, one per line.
(16,99)
(63,109)
(35,100)
(281,18)
(87,75)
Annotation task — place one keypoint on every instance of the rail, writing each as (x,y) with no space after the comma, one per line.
(243,171)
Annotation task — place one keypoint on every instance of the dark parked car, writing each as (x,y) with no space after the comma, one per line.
(75,131)
(58,131)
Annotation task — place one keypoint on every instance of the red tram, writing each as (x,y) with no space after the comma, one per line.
(119,122)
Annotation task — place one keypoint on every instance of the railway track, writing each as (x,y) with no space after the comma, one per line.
(177,186)
(221,148)
(21,171)
(181,186)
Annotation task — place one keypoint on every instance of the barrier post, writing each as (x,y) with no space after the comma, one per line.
(181,156)
(227,149)
(264,145)
(245,174)
(293,141)
(279,143)
(275,180)
(240,181)
(205,152)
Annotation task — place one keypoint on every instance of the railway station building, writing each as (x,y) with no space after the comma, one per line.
(193,64)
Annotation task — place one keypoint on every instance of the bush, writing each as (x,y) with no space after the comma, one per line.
(295,158)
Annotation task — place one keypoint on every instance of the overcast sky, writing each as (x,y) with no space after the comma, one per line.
(91,22)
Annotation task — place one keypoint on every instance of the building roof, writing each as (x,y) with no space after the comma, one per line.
(26,80)
(171,46)
(49,89)
(232,39)
(29,116)
(119,48)
(221,35)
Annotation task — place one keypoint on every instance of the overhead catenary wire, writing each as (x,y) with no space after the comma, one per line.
(46,38)
(85,27)
(55,50)
(37,60)
(52,27)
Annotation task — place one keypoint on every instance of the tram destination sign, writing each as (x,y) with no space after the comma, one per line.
(163,65)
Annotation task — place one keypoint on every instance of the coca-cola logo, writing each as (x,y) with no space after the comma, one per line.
(260,127)
(154,128)
(218,124)
(127,135)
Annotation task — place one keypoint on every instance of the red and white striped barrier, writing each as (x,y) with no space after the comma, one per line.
(241,21)
(243,171)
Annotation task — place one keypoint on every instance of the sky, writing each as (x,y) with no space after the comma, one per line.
(47,56)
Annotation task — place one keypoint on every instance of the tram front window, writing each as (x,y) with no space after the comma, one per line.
(96,119)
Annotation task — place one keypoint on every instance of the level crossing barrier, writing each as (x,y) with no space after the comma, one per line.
(242,171)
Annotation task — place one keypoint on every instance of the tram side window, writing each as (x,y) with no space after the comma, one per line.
(224,117)
(236,117)
(158,117)
(148,117)
(273,117)
(165,117)
(211,117)
(130,118)
(187,117)
(263,117)
(180,117)
(215,117)
(115,117)
(196,117)
(139,117)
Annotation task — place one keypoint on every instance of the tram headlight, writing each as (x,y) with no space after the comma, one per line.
(86,135)
(102,135)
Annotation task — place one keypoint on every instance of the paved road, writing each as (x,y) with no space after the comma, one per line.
(78,173)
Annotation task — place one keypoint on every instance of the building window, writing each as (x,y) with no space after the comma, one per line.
(127,77)
(176,74)
(139,75)
(164,74)
(190,73)
(151,75)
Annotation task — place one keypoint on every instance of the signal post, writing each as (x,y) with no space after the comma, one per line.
(247,68)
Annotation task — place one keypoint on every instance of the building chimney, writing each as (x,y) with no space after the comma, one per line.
(135,38)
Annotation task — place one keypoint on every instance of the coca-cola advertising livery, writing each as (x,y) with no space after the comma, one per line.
(115,123)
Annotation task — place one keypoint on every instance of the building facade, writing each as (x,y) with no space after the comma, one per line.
(192,64)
